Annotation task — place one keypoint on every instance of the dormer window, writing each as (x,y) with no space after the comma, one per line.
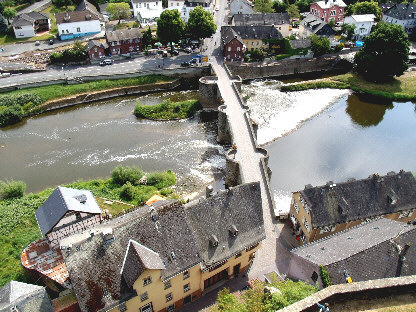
(213,240)
(185,274)
(147,281)
(77,215)
(233,230)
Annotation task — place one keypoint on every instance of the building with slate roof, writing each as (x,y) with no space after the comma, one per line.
(96,49)
(124,41)
(28,24)
(146,10)
(328,9)
(231,44)
(403,14)
(77,24)
(313,25)
(279,20)
(22,297)
(241,7)
(160,257)
(377,249)
(363,24)
(317,212)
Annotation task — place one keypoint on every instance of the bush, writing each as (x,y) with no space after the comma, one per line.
(12,189)
(127,191)
(315,85)
(326,280)
(161,179)
(11,115)
(121,175)
(20,99)
(168,110)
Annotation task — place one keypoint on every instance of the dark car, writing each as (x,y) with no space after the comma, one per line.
(174,52)
(50,41)
(185,64)
(193,61)
(188,50)
(106,62)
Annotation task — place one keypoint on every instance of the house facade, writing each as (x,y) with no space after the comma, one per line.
(279,20)
(363,24)
(77,24)
(146,10)
(313,25)
(231,44)
(192,4)
(328,9)
(403,14)
(26,25)
(241,7)
(96,49)
(124,41)
(377,249)
(317,212)
(163,256)
(175,4)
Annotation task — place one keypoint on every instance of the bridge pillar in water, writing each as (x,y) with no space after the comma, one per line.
(209,95)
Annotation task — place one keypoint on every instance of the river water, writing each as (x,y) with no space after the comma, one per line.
(88,141)
(317,136)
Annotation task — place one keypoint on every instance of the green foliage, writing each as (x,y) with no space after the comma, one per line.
(161,179)
(257,55)
(170,26)
(147,37)
(201,23)
(385,53)
(168,110)
(349,30)
(11,115)
(122,175)
(365,7)
(331,23)
(3,25)
(119,1)
(119,11)
(319,45)
(314,85)
(62,3)
(293,11)
(227,302)
(291,292)
(9,13)
(127,191)
(279,6)
(12,189)
(263,6)
(326,280)
(304,5)
(20,99)
(75,54)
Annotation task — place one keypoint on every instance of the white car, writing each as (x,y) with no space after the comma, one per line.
(217,8)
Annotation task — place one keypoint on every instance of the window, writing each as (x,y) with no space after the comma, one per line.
(144,296)
(238,49)
(327,229)
(77,215)
(78,29)
(168,284)
(405,213)
(229,49)
(147,281)
(95,49)
(185,274)
(186,288)
(168,297)
(252,43)
(67,31)
(306,224)
(170,308)
(63,31)
(333,12)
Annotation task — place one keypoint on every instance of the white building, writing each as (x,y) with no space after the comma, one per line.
(363,24)
(176,4)
(192,4)
(147,10)
(77,24)
(403,14)
(26,25)
(241,7)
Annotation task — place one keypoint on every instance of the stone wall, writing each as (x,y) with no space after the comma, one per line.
(224,132)
(208,92)
(288,67)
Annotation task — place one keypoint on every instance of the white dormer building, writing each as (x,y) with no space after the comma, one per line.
(192,4)
(176,4)
(147,10)
(363,24)
(403,14)
(241,7)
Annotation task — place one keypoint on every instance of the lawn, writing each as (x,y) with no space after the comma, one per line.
(51,10)
(126,25)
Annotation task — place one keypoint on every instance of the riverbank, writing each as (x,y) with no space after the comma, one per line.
(168,110)
(401,88)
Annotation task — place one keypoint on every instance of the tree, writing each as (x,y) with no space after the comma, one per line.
(257,55)
(1,8)
(263,6)
(319,45)
(147,38)
(349,30)
(279,6)
(119,10)
(201,23)
(226,302)
(62,3)
(366,7)
(9,13)
(331,23)
(293,11)
(3,25)
(12,189)
(304,5)
(119,1)
(385,53)
(170,27)
(165,3)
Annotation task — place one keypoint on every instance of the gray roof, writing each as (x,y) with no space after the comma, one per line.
(197,2)
(385,6)
(360,199)
(103,7)
(95,43)
(402,11)
(367,251)
(256,32)
(261,19)
(26,19)
(61,201)
(228,34)
(87,6)
(72,17)
(25,297)
(239,208)
(123,34)
(300,44)
(317,26)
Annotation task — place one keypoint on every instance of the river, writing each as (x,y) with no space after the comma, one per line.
(316,136)
(88,141)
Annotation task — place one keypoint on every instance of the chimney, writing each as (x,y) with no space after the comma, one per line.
(213,240)
(233,230)
(67,18)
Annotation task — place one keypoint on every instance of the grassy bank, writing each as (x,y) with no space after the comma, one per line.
(168,110)
(18,225)
(401,88)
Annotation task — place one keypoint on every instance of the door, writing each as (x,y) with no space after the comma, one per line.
(187,299)
(237,269)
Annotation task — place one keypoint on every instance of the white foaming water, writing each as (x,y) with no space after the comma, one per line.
(278,113)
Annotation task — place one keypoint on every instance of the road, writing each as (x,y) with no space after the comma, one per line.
(35,6)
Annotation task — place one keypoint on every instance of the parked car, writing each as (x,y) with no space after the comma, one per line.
(37,43)
(174,52)
(106,62)
(185,64)
(50,41)
(193,61)
(217,8)
(188,50)
(165,54)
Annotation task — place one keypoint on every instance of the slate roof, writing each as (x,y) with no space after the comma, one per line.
(73,17)
(367,251)
(24,297)
(256,32)
(300,44)
(360,199)
(228,34)
(97,264)
(325,4)
(317,26)
(261,19)
(208,2)
(123,34)
(61,201)
(239,207)
(27,19)
(385,6)
(402,11)
(95,43)
(87,6)
(103,7)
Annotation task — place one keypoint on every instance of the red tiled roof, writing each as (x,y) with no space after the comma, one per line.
(48,262)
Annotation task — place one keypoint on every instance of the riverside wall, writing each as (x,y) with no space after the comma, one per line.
(289,67)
